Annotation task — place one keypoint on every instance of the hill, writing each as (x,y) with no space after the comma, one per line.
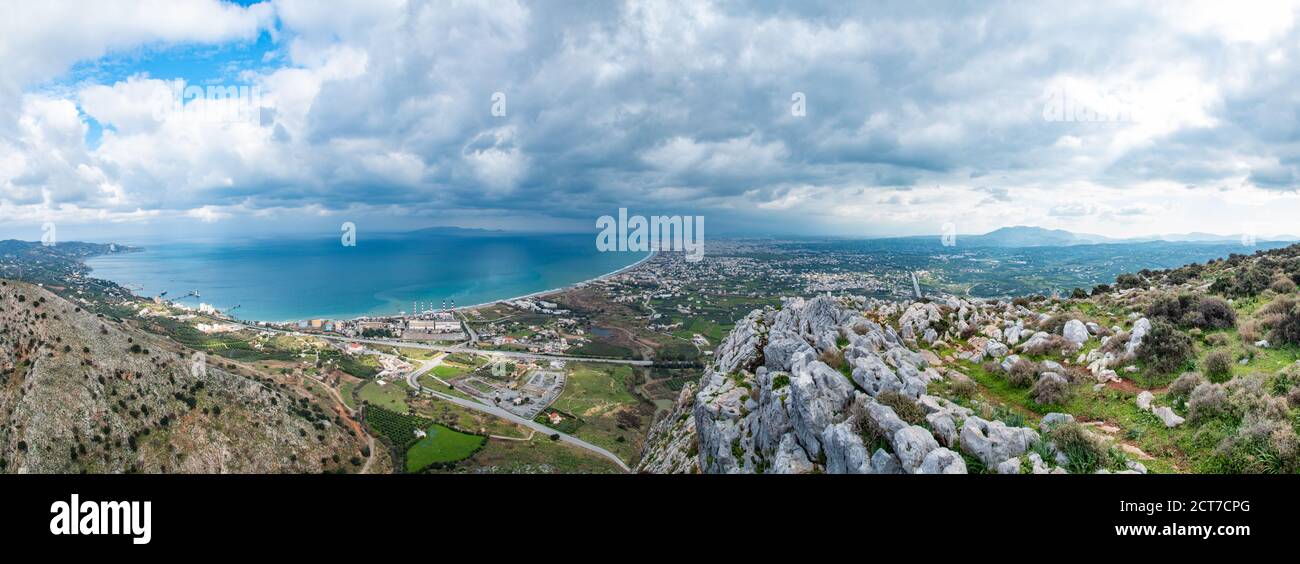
(82,393)
(1193,369)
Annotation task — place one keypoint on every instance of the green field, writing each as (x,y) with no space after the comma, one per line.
(611,416)
(442,445)
(391,396)
(345,390)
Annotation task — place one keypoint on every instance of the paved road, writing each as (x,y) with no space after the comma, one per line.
(460,348)
(493,410)
(413,380)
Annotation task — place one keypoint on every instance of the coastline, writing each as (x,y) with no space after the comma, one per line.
(536,294)
(562,288)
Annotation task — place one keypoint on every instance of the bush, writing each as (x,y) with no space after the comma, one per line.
(1022,373)
(833,359)
(1128,281)
(962,386)
(1165,349)
(905,407)
(1261,445)
(1051,389)
(1249,282)
(1085,454)
(1054,344)
(1287,329)
(1207,401)
(1191,311)
(1218,365)
(1217,340)
(1282,285)
(1216,314)
(1182,387)
(873,435)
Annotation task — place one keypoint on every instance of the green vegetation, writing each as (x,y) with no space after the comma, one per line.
(390,396)
(442,445)
(611,415)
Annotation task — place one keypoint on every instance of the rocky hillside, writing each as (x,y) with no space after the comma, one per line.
(79,393)
(1185,370)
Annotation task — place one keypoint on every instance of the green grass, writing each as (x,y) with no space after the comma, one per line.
(391,396)
(345,390)
(446,371)
(596,394)
(441,445)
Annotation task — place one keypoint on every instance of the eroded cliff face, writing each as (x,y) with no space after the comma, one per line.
(807,388)
(83,393)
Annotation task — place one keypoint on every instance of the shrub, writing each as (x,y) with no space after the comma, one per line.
(1287,329)
(962,386)
(905,407)
(1250,331)
(1022,373)
(1282,285)
(1170,308)
(1216,340)
(833,359)
(1051,389)
(1218,365)
(1216,314)
(1054,344)
(873,435)
(1206,401)
(1116,343)
(1128,281)
(1249,281)
(1055,323)
(1085,454)
(1079,294)
(1100,289)
(1261,445)
(1182,387)
(1165,349)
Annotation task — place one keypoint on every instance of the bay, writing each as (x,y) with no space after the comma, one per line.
(295,278)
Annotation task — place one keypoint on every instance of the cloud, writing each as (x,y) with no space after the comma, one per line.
(387,105)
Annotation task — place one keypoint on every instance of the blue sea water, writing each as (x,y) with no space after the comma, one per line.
(288,279)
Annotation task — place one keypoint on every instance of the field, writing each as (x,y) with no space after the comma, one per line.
(612,416)
(441,445)
(390,396)
(540,455)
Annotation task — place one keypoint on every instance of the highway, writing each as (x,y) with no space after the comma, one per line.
(458,348)
(413,380)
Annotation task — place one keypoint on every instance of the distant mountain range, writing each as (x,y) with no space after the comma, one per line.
(1024,236)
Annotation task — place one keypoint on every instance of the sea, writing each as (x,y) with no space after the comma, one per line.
(309,277)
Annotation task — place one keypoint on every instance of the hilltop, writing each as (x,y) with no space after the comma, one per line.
(1192,369)
(83,393)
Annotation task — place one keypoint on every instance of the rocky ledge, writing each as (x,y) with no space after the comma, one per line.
(839,385)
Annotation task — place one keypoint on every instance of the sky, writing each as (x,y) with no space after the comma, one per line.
(764,117)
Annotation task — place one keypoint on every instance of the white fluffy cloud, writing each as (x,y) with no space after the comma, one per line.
(1117,118)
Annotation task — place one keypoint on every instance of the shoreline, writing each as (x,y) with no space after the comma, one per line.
(540,293)
(561,288)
